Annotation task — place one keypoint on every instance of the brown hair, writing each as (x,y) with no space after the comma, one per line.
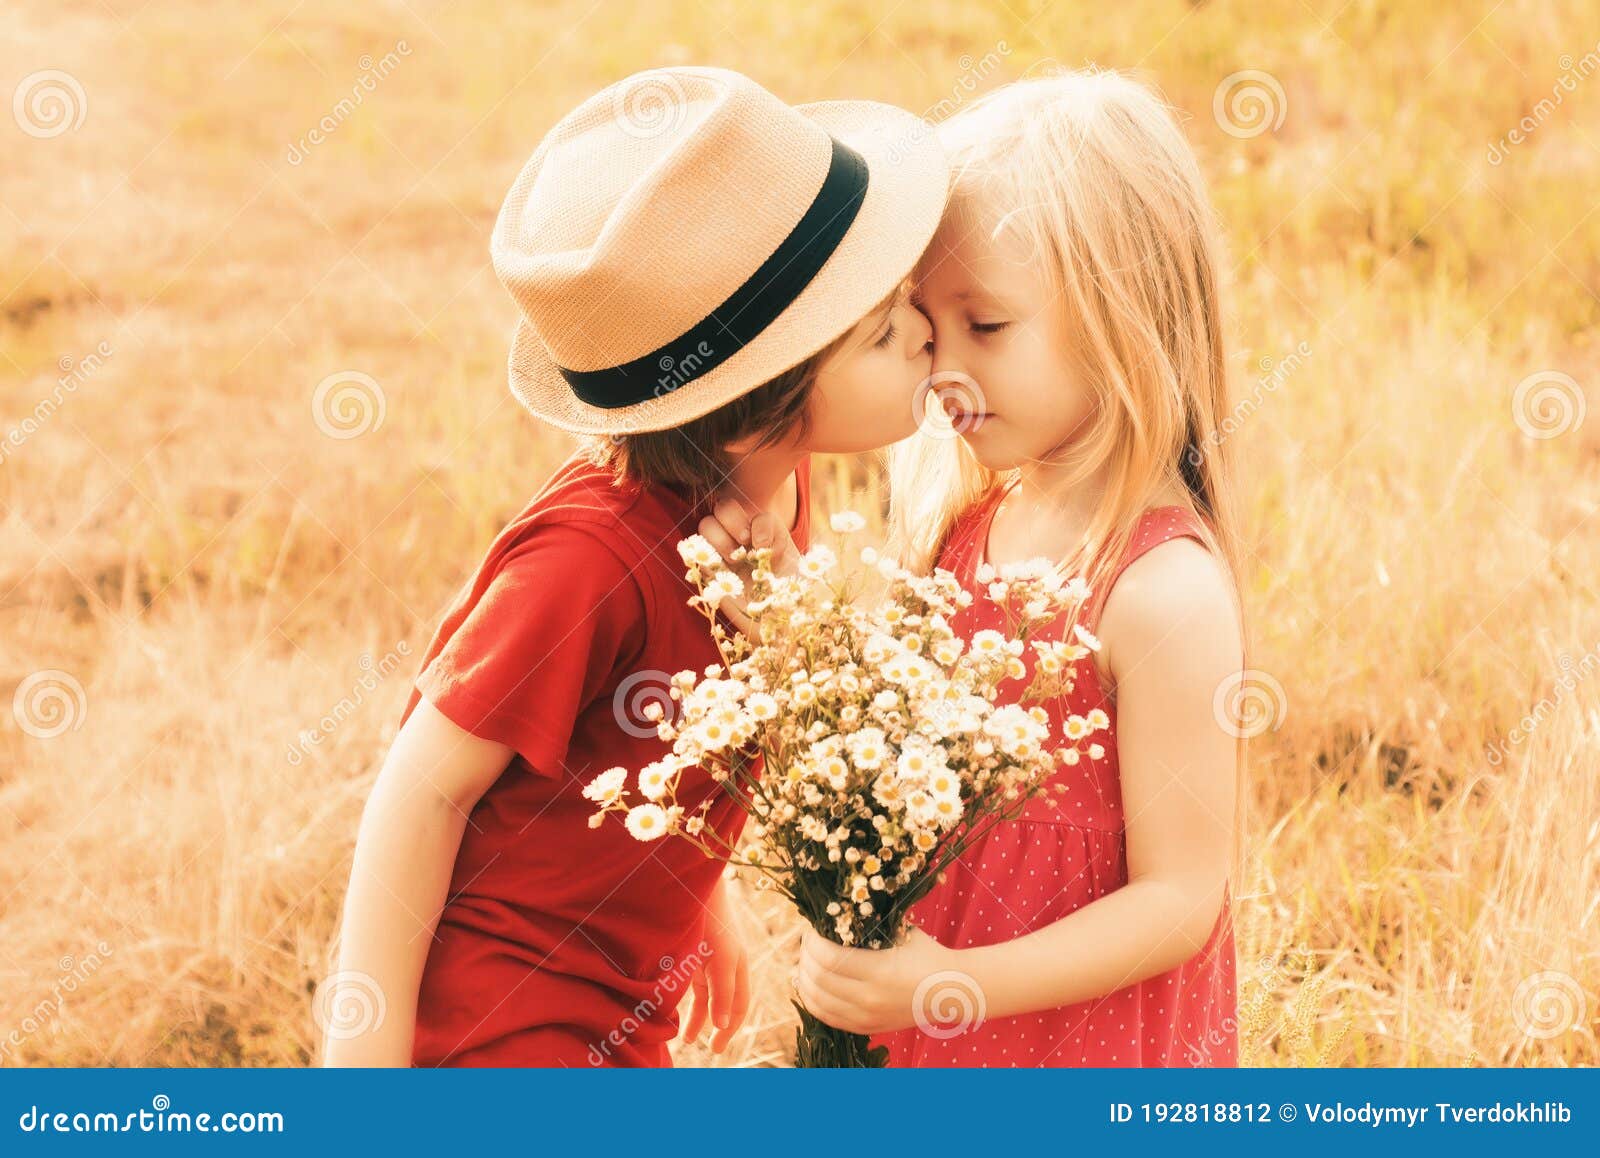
(694,457)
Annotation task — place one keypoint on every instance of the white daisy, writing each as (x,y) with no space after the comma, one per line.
(867,748)
(817,562)
(607,786)
(654,779)
(988,643)
(697,551)
(647,822)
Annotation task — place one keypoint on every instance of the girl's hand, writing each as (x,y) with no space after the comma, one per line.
(721,986)
(729,527)
(869,990)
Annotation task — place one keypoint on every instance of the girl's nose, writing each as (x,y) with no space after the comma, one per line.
(944,362)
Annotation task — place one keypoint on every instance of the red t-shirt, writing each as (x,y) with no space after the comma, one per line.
(561,944)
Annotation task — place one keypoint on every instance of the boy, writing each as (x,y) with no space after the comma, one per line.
(710,289)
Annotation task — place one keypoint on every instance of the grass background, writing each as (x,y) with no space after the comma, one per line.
(183,542)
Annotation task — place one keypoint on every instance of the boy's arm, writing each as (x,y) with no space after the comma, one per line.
(405,852)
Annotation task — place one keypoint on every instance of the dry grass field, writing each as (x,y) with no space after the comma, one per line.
(254,431)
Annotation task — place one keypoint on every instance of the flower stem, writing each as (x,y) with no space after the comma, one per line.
(819,1045)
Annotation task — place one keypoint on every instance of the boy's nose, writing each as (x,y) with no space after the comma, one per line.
(920,328)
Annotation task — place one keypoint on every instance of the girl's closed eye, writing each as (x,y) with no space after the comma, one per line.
(988,327)
(888,336)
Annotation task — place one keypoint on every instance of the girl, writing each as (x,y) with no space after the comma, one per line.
(1072,288)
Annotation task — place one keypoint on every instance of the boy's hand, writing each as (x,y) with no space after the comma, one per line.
(721,986)
(729,527)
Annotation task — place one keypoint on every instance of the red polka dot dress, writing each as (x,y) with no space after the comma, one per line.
(1029,873)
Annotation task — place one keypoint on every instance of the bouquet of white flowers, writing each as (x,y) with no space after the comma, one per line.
(863,742)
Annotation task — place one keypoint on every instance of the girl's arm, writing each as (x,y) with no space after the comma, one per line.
(1171,638)
(405,853)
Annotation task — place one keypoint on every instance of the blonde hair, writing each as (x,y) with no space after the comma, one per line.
(1092,170)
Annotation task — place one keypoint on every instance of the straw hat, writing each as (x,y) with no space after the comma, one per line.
(684,236)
